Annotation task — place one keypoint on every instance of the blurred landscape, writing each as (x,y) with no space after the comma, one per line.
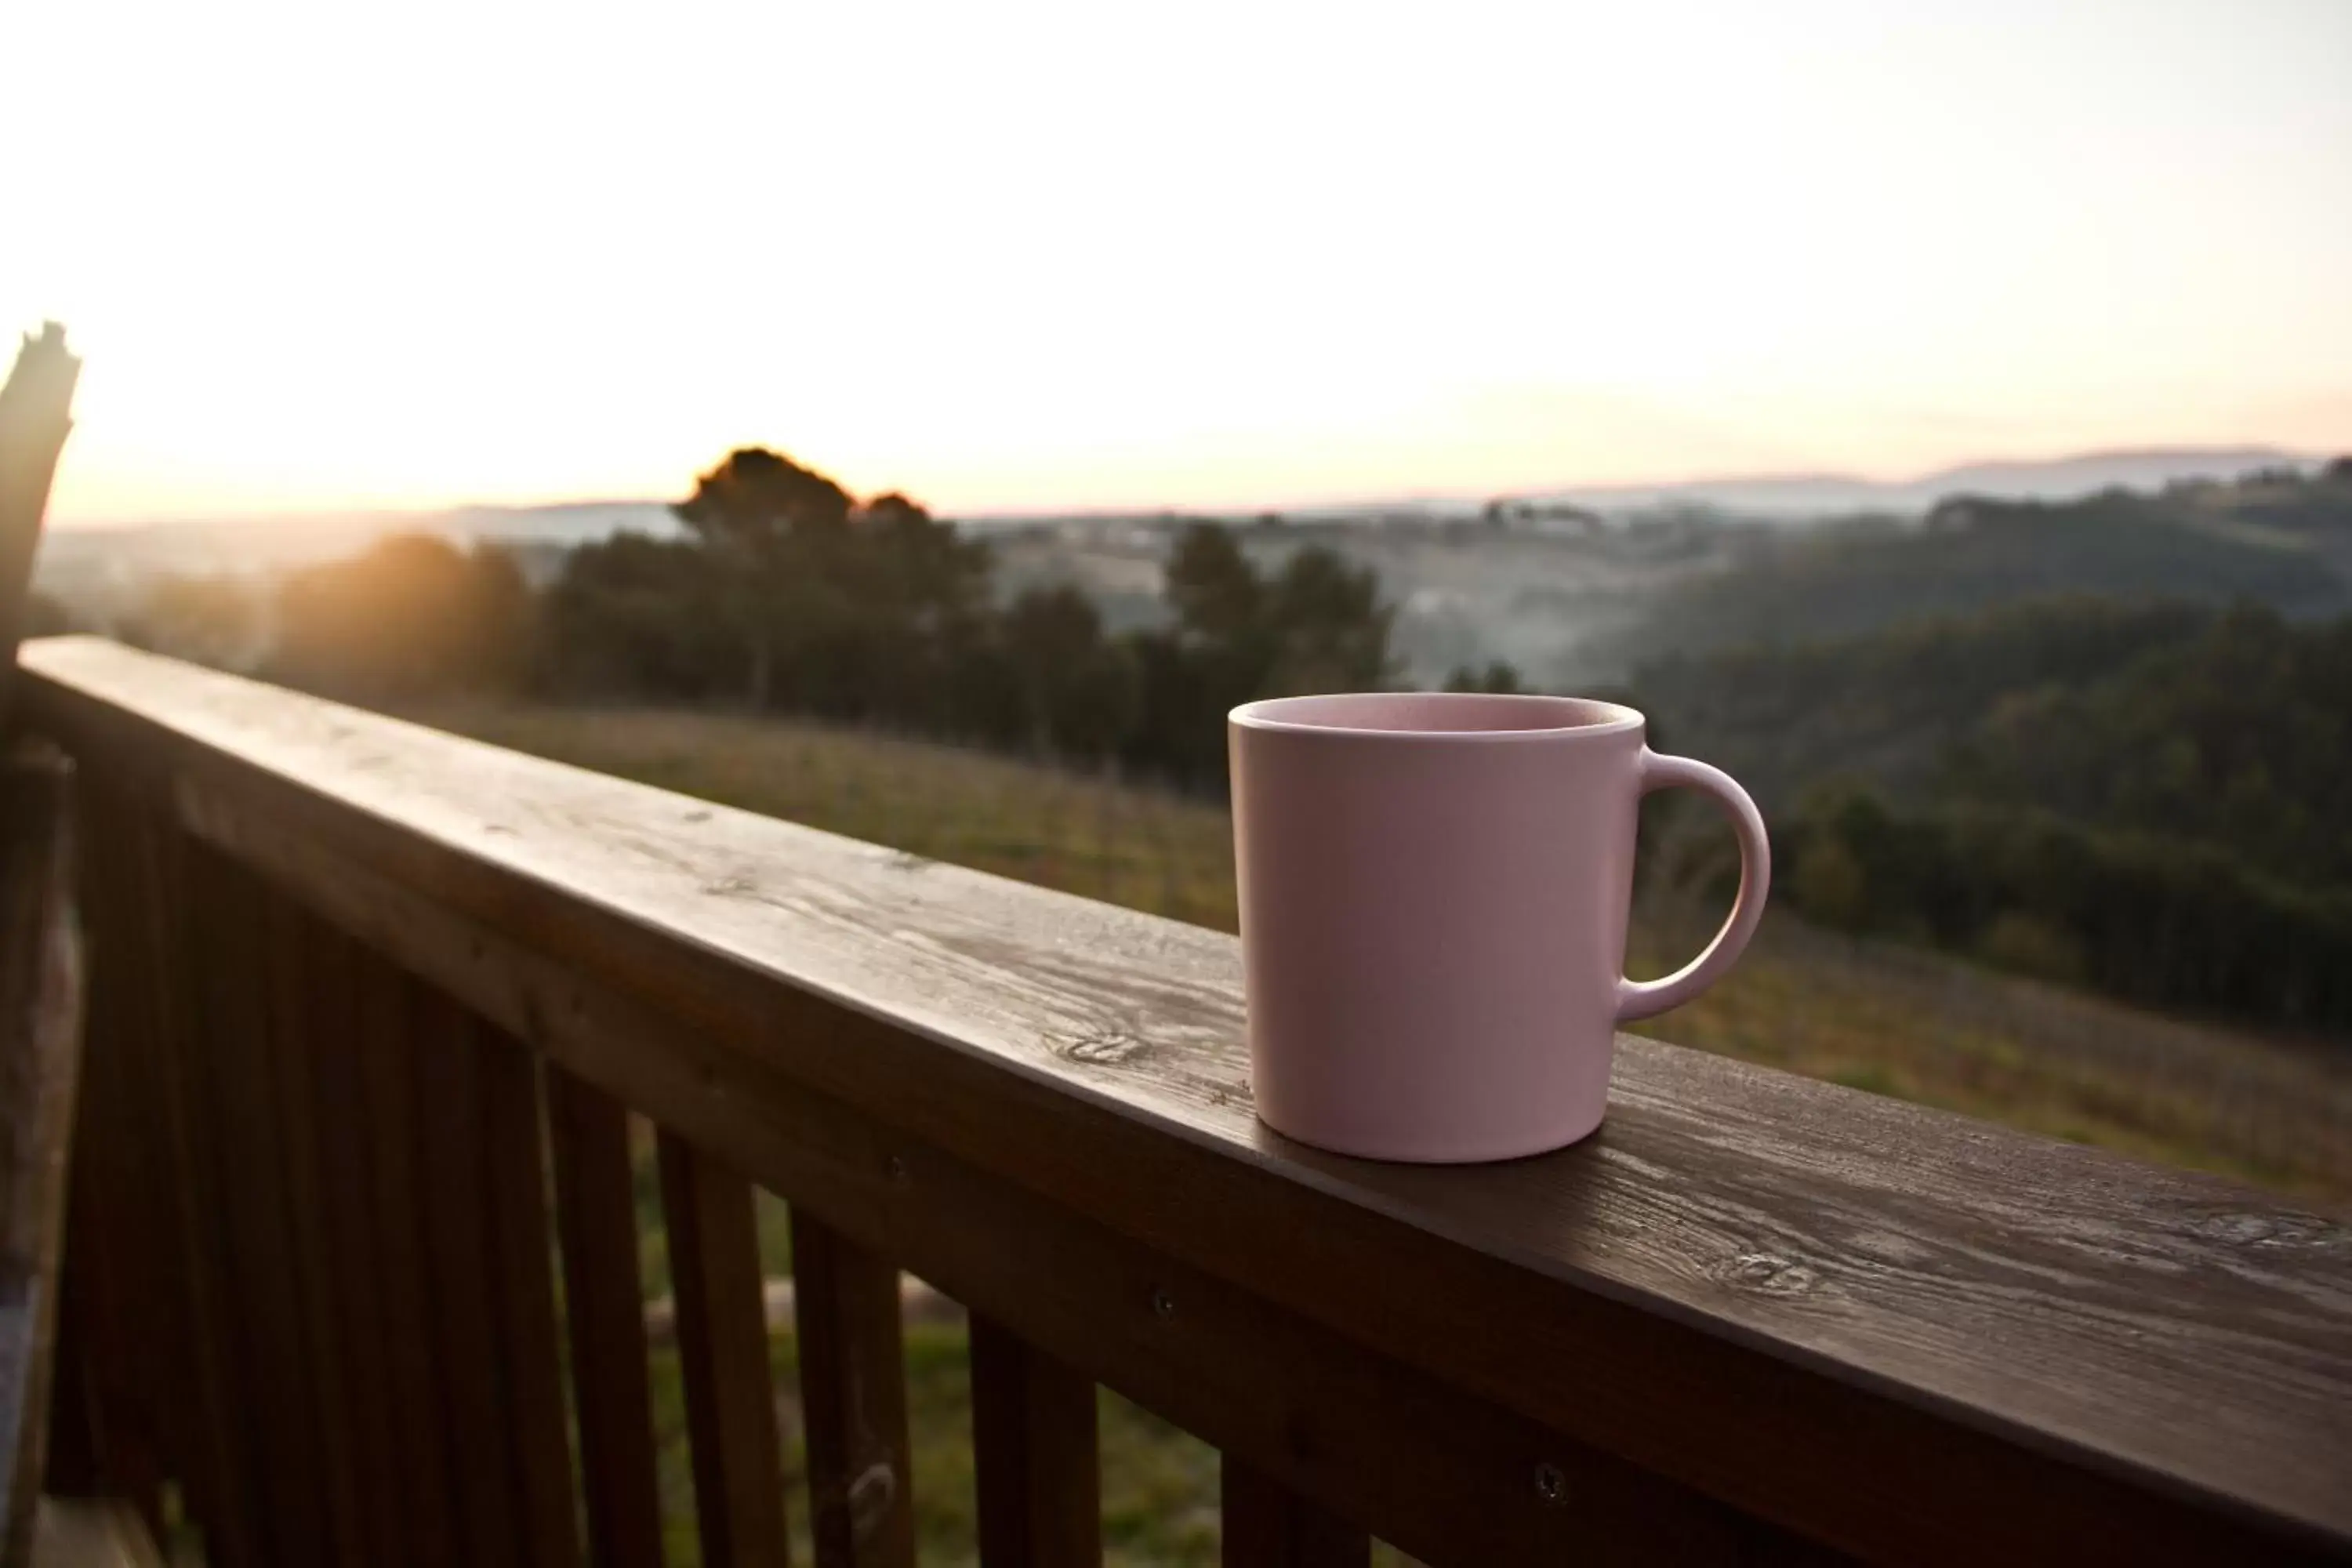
(1562,584)
(2060,777)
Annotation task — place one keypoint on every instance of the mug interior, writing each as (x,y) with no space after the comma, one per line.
(1435,713)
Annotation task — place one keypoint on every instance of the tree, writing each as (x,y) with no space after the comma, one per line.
(644,616)
(1327,625)
(855,611)
(1076,689)
(916,592)
(1318,625)
(768,524)
(756,497)
(796,594)
(1212,587)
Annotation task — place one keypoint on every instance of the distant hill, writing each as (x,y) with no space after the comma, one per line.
(2281,540)
(2151,799)
(2224,728)
(1830,495)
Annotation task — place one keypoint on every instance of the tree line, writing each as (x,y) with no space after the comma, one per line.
(2277,538)
(2154,799)
(787,594)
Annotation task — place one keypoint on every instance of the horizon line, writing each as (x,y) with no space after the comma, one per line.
(293,517)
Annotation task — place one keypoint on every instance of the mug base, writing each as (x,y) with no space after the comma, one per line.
(1439,1151)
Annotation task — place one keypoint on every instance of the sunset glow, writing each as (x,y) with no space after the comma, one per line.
(1033,256)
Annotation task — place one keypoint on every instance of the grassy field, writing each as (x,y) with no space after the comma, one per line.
(1871,1015)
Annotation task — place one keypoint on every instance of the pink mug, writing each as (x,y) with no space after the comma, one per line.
(1434,895)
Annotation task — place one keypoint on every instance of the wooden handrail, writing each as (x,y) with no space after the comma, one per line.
(1755,1313)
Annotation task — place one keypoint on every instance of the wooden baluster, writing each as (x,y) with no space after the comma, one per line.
(141,951)
(452,1132)
(394,1144)
(1034,1448)
(522,1269)
(605,1306)
(225,920)
(342,1124)
(722,1351)
(1267,1525)
(303,1026)
(853,1400)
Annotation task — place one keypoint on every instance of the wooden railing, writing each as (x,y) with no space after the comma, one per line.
(358,987)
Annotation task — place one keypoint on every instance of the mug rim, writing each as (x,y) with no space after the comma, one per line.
(1270,714)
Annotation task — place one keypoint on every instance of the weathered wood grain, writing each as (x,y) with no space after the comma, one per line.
(604,1295)
(853,1378)
(1267,1525)
(1035,1453)
(722,1359)
(1760,1287)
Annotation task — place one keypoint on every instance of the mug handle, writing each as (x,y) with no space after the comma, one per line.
(1640,998)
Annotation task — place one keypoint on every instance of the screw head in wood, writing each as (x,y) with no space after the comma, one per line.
(1552,1485)
(1163,1305)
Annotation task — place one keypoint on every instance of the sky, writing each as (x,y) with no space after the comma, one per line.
(1021,256)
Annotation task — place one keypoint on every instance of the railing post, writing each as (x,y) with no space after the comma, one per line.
(522,1277)
(853,1400)
(451,1132)
(339,1130)
(273,1389)
(1035,1452)
(143,956)
(604,1308)
(304,1023)
(393,1152)
(722,1351)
